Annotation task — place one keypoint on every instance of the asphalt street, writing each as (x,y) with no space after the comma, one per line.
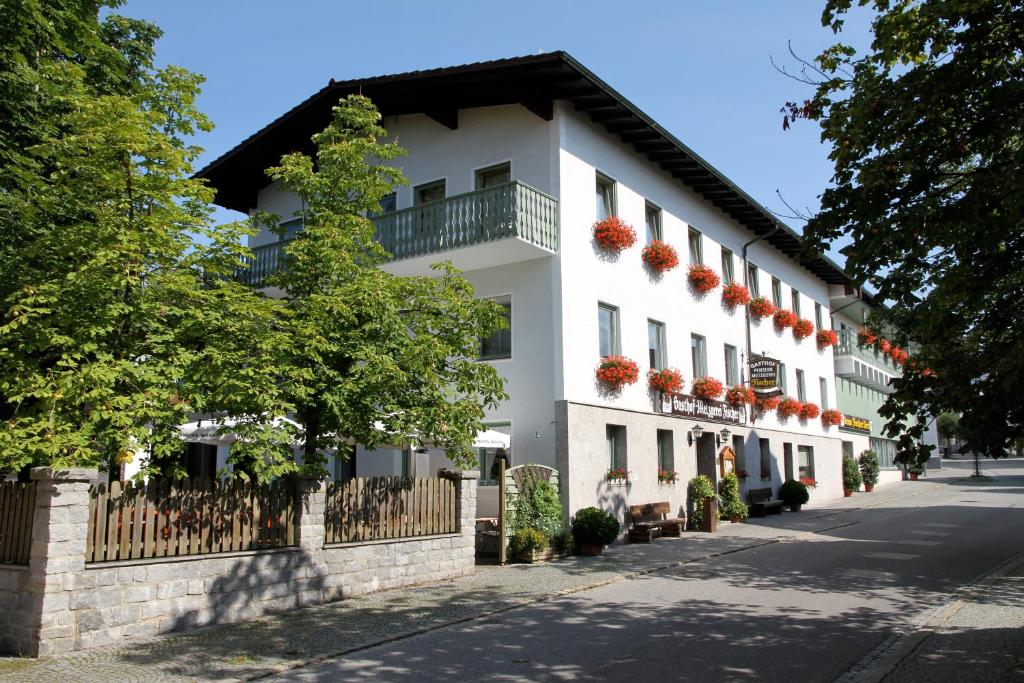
(821,604)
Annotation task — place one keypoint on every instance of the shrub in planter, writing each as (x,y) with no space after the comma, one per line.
(761,308)
(826,338)
(869,469)
(739,395)
(617,371)
(784,319)
(851,474)
(703,278)
(528,540)
(660,256)
(593,528)
(809,411)
(802,329)
(733,506)
(667,381)
(537,507)
(788,407)
(831,418)
(612,234)
(707,387)
(699,490)
(734,294)
(562,541)
(793,494)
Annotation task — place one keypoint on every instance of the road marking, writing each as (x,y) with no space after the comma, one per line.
(869,574)
(893,556)
(943,526)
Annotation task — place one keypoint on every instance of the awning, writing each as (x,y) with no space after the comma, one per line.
(492,439)
(209,431)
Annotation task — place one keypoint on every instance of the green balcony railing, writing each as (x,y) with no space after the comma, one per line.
(512,209)
(848,346)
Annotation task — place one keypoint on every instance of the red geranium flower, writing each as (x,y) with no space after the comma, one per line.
(617,371)
(802,329)
(885,346)
(761,308)
(614,235)
(784,319)
(739,395)
(809,411)
(707,387)
(703,278)
(866,338)
(768,404)
(668,381)
(660,256)
(831,418)
(788,407)
(734,294)
(827,338)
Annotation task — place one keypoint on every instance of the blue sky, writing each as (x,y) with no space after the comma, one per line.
(701,69)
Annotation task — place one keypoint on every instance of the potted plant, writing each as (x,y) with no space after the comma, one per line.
(826,338)
(593,529)
(617,371)
(794,494)
(739,395)
(784,319)
(766,405)
(707,387)
(702,278)
(869,470)
(530,545)
(809,411)
(734,294)
(699,490)
(611,234)
(742,475)
(667,476)
(809,482)
(914,470)
(667,381)
(733,508)
(788,407)
(831,418)
(866,337)
(802,329)
(660,256)
(851,475)
(617,475)
(760,307)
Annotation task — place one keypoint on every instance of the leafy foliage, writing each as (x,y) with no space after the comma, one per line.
(593,526)
(869,467)
(528,539)
(729,494)
(793,492)
(537,507)
(851,474)
(699,489)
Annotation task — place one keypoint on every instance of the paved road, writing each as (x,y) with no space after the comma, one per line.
(812,607)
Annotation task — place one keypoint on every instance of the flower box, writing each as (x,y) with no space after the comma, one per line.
(617,475)
(539,555)
(831,418)
(809,482)
(707,387)
(761,308)
(784,319)
(667,381)
(742,475)
(702,278)
(866,338)
(667,476)
(734,294)
(765,405)
(788,407)
(826,338)
(802,329)
(611,234)
(809,411)
(739,395)
(660,256)
(617,371)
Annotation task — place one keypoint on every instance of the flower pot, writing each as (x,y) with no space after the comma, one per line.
(795,508)
(913,476)
(591,549)
(847,493)
(735,519)
(868,488)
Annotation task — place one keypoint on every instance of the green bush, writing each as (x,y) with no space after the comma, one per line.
(537,507)
(869,467)
(851,474)
(593,526)
(562,541)
(729,494)
(699,490)
(526,540)
(793,492)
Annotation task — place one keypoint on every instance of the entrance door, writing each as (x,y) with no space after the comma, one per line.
(706,461)
(787,457)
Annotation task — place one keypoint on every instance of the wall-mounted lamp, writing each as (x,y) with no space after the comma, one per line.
(696,431)
(723,436)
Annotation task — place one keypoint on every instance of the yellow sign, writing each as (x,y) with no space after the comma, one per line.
(856,424)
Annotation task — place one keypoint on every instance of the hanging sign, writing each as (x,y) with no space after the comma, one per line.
(702,408)
(764,376)
(852,423)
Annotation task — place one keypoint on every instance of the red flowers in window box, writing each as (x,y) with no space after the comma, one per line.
(707,387)
(703,278)
(866,338)
(614,235)
(742,475)
(885,346)
(617,371)
(831,418)
(667,381)
(788,407)
(898,355)
(761,308)
(802,329)
(739,395)
(809,482)
(667,476)
(617,474)
(809,411)
(784,319)
(734,294)
(827,338)
(768,404)
(660,256)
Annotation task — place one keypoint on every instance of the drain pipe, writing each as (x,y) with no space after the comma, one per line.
(746,283)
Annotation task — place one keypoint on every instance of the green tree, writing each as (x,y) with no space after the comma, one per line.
(116,322)
(362,354)
(926,132)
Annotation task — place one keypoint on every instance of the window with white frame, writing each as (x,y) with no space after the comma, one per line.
(429,192)
(652,222)
(699,356)
(696,249)
(656,345)
(752,280)
(605,197)
(499,343)
(498,174)
(795,297)
(776,292)
(732,373)
(728,277)
(817,315)
(823,386)
(782,378)
(616,435)
(801,389)
(608,330)
(805,462)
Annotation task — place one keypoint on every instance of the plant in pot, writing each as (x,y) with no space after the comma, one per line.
(699,490)
(615,372)
(527,545)
(660,256)
(760,308)
(915,470)
(869,470)
(593,529)
(733,508)
(794,494)
(851,475)
(612,234)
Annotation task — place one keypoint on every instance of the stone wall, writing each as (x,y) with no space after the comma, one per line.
(59,604)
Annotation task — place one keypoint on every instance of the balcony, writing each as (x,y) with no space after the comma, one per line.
(498,225)
(863,365)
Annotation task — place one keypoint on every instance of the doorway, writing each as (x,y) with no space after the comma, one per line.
(706,461)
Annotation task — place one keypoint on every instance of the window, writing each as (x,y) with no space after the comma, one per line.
(656,345)
(499,344)
(291,228)
(201,460)
(766,458)
(795,297)
(787,459)
(782,378)
(801,390)
(817,315)
(699,353)
(666,456)
(428,192)
(493,175)
(486,456)
(605,197)
(731,366)
(776,292)
(823,385)
(696,251)
(727,273)
(805,461)
(345,463)
(616,446)
(652,221)
(847,449)
(752,280)
(608,330)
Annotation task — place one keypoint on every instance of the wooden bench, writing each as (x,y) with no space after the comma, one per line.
(762,504)
(649,521)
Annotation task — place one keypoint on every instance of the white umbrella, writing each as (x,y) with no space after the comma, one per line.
(492,439)
(208,431)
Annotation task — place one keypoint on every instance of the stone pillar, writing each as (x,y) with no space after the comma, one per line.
(311,505)
(465,513)
(59,530)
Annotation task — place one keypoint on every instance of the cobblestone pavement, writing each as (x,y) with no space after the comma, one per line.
(279,642)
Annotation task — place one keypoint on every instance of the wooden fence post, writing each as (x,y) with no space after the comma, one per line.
(502,530)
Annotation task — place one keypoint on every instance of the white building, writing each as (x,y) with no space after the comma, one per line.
(510,164)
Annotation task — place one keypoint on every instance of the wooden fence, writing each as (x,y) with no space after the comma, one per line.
(369,509)
(130,521)
(17,505)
